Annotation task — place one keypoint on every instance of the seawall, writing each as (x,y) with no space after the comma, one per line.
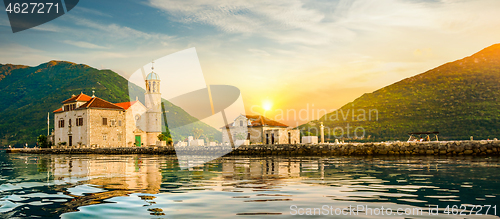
(442,148)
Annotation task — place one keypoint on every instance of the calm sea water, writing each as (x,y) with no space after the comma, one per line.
(138,186)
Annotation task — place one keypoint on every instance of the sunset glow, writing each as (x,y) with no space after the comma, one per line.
(267,105)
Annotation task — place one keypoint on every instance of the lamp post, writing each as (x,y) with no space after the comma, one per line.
(48,124)
(322,127)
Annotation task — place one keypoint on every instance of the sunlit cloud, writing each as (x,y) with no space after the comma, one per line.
(318,23)
(294,52)
(117,30)
(91,11)
(83,44)
(28,56)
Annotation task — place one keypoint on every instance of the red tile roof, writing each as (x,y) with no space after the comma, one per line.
(97,102)
(126,105)
(79,97)
(57,110)
(259,121)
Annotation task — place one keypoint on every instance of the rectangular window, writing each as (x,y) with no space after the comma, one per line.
(104,137)
(119,137)
(79,121)
(119,123)
(113,122)
(241,123)
(104,121)
(61,123)
(66,108)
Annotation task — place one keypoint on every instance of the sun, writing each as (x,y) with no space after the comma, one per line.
(267,105)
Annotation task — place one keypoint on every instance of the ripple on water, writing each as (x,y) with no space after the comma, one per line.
(80,190)
(139,186)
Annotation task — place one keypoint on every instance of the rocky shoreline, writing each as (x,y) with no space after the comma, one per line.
(442,148)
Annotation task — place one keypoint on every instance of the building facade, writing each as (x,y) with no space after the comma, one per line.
(258,129)
(85,121)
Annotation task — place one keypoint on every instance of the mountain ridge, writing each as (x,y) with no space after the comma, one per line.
(460,99)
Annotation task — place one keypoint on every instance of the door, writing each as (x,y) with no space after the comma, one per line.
(70,141)
(138,140)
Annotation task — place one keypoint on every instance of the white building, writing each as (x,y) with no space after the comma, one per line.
(257,129)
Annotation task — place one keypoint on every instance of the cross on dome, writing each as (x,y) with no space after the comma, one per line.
(152,75)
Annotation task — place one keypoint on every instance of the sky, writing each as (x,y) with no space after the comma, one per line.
(286,55)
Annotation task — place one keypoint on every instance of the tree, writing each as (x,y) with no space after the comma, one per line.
(197,133)
(42,141)
(163,137)
(167,131)
(210,138)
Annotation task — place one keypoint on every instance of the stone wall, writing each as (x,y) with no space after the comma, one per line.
(450,148)
(282,136)
(113,132)
(255,135)
(237,130)
(295,136)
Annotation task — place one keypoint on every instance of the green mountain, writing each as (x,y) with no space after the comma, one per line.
(28,93)
(459,99)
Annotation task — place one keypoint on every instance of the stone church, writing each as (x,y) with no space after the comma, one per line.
(89,121)
(257,129)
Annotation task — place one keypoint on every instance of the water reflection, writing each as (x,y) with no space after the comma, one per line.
(137,186)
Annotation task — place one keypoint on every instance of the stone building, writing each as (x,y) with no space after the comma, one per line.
(85,121)
(258,129)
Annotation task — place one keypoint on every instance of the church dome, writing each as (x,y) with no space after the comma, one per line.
(153,76)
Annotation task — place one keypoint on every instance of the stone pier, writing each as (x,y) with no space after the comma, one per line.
(448,148)
(442,148)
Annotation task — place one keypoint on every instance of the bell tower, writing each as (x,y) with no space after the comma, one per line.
(153,105)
